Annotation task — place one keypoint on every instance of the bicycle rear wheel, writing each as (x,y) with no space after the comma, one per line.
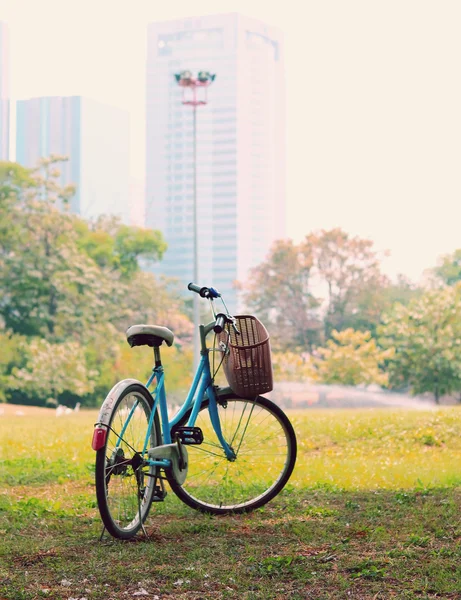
(264,441)
(124,486)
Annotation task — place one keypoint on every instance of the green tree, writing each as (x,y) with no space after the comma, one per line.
(352,358)
(11,356)
(59,275)
(426,336)
(137,362)
(119,247)
(53,369)
(14,179)
(152,300)
(293,366)
(64,280)
(41,271)
(449,269)
(372,301)
(49,288)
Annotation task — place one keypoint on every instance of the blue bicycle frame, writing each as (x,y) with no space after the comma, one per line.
(202,385)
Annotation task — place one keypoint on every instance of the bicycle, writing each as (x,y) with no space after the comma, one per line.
(221,453)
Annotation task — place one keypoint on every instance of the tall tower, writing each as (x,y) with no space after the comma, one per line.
(4,93)
(94,136)
(240,147)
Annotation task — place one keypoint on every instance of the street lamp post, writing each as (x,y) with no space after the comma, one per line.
(195,94)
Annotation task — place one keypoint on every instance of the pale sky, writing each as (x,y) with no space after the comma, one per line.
(373,102)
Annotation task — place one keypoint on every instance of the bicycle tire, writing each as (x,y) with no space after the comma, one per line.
(124,493)
(218,486)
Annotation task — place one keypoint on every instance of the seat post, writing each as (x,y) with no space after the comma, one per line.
(158,360)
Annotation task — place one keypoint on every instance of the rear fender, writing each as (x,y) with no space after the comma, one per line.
(112,397)
(102,424)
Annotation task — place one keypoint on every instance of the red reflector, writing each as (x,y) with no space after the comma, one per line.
(99,438)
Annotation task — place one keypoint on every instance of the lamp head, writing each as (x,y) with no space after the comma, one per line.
(205,77)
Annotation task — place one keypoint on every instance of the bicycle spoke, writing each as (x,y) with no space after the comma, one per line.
(246,427)
(205,451)
(265,458)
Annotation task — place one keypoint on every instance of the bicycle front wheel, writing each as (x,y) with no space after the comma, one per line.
(264,442)
(124,486)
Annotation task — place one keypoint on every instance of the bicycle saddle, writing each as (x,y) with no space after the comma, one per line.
(149,335)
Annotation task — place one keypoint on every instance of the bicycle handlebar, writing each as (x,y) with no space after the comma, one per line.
(211,294)
(198,289)
(203,291)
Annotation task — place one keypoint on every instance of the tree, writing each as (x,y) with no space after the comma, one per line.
(119,247)
(349,266)
(285,290)
(13,180)
(53,369)
(137,362)
(351,358)
(152,300)
(280,292)
(374,300)
(11,356)
(42,273)
(293,366)
(48,287)
(449,269)
(59,275)
(66,281)
(426,336)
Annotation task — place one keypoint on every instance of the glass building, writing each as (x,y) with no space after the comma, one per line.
(4,93)
(95,137)
(240,147)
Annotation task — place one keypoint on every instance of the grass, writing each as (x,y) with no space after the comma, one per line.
(372,511)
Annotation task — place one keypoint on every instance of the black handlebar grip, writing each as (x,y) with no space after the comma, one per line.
(203,291)
(219,325)
(193,287)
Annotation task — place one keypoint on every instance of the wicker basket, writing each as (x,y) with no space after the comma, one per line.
(248,364)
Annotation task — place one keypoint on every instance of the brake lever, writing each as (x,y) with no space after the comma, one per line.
(234,326)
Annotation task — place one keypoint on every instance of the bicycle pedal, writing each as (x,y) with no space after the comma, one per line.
(159,494)
(190,436)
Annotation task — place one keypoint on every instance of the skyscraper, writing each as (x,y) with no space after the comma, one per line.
(240,146)
(4,93)
(96,139)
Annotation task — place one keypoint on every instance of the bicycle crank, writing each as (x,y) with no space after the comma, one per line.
(177,455)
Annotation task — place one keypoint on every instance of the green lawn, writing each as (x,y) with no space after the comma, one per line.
(372,511)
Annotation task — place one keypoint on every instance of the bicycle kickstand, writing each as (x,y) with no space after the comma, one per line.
(102,533)
(140,514)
